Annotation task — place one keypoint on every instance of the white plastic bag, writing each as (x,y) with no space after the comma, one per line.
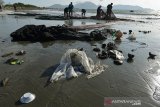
(61,69)
(77,60)
(70,73)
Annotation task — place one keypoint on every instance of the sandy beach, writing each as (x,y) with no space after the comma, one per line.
(41,59)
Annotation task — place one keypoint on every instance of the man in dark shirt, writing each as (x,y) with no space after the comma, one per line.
(83,12)
(109,10)
(70,9)
(0,8)
(15,8)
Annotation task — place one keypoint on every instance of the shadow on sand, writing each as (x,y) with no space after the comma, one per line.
(48,73)
(18,103)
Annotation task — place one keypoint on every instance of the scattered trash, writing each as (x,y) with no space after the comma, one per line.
(27,98)
(124,33)
(111,46)
(103,55)
(115,54)
(151,56)
(130,56)
(7,54)
(4,82)
(74,61)
(22,52)
(145,32)
(98,35)
(104,46)
(81,49)
(118,62)
(118,35)
(156,94)
(132,37)
(130,31)
(133,50)
(14,61)
(96,49)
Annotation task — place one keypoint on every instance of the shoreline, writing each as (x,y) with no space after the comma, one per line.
(40,60)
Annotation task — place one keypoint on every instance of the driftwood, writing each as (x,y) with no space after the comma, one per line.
(84,27)
(26,14)
(48,17)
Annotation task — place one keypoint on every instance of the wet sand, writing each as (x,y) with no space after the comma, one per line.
(127,80)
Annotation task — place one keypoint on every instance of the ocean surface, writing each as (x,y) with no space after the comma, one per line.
(127,80)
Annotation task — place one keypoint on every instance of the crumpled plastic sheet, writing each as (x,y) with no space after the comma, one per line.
(75,61)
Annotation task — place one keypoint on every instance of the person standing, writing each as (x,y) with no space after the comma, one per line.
(109,10)
(83,12)
(15,8)
(0,8)
(70,9)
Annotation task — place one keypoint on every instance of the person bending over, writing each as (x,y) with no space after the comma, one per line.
(83,12)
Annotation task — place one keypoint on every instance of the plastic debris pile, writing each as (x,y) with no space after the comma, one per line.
(110,51)
(74,62)
(13,60)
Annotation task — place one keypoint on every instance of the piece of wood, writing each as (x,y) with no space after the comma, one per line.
(84,27)
(4,82)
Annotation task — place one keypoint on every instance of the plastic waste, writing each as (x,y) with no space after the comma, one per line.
(118,35)
(70,73)
(59,72)
(118,55)
(118,62)
(7,54)
(73,62)
(156,94)
(4,81)
(14,61)
(132,37)
(27,98)
(98,69)
(22,52)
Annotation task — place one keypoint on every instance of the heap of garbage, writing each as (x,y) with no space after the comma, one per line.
(41,33)
(75,62)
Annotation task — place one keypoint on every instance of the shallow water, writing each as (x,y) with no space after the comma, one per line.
(127,80)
